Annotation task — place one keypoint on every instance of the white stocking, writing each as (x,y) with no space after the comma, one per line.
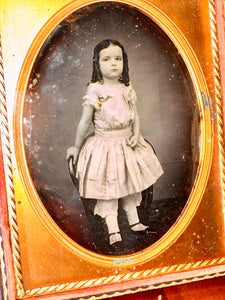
(113,229)
(130,207)
(108,210)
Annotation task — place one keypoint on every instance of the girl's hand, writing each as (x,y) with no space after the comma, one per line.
(72,151)
(133,141)
(82,129)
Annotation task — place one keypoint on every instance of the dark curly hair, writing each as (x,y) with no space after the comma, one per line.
(97,74)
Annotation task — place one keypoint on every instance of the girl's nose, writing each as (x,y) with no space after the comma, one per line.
(113,62)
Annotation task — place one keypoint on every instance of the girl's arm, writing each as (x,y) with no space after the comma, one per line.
(133,140)
(82,129)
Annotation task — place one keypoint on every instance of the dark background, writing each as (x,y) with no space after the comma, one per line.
(166,104)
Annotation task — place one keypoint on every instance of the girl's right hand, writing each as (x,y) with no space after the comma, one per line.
(72,151)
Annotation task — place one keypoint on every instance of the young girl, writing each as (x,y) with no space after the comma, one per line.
(115,164)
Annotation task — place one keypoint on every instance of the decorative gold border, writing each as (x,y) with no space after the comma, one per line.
(206,137)
(2,260)
(218,96)
(160,286)
(9,182)
(12,212)
(125,277)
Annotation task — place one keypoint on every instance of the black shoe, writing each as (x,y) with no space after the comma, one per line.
(146,231)
(117,246)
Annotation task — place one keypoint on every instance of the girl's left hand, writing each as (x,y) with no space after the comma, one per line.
(133,141)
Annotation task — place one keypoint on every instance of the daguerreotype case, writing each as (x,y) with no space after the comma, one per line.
(53,244)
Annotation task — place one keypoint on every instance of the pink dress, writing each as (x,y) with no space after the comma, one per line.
(107,167)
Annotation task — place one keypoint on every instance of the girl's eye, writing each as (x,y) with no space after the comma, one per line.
(105,59)
(119,58)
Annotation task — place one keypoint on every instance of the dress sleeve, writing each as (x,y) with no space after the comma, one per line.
(130,95)
(91,97)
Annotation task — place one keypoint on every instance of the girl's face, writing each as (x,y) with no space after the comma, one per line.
(111,63)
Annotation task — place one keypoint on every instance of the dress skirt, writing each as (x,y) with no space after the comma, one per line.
(108,168)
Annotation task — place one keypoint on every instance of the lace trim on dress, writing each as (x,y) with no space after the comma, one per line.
(97,94)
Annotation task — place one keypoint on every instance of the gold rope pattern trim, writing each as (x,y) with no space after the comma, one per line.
(127,277)
(2,260)
(9,180)
(160,286)
(218,96)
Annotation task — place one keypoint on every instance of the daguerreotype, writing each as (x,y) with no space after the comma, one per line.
(114,152)
(53,107)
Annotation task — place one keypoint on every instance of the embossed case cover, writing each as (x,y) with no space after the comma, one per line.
(52,245)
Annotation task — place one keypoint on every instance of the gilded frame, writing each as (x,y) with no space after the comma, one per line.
(117,267)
